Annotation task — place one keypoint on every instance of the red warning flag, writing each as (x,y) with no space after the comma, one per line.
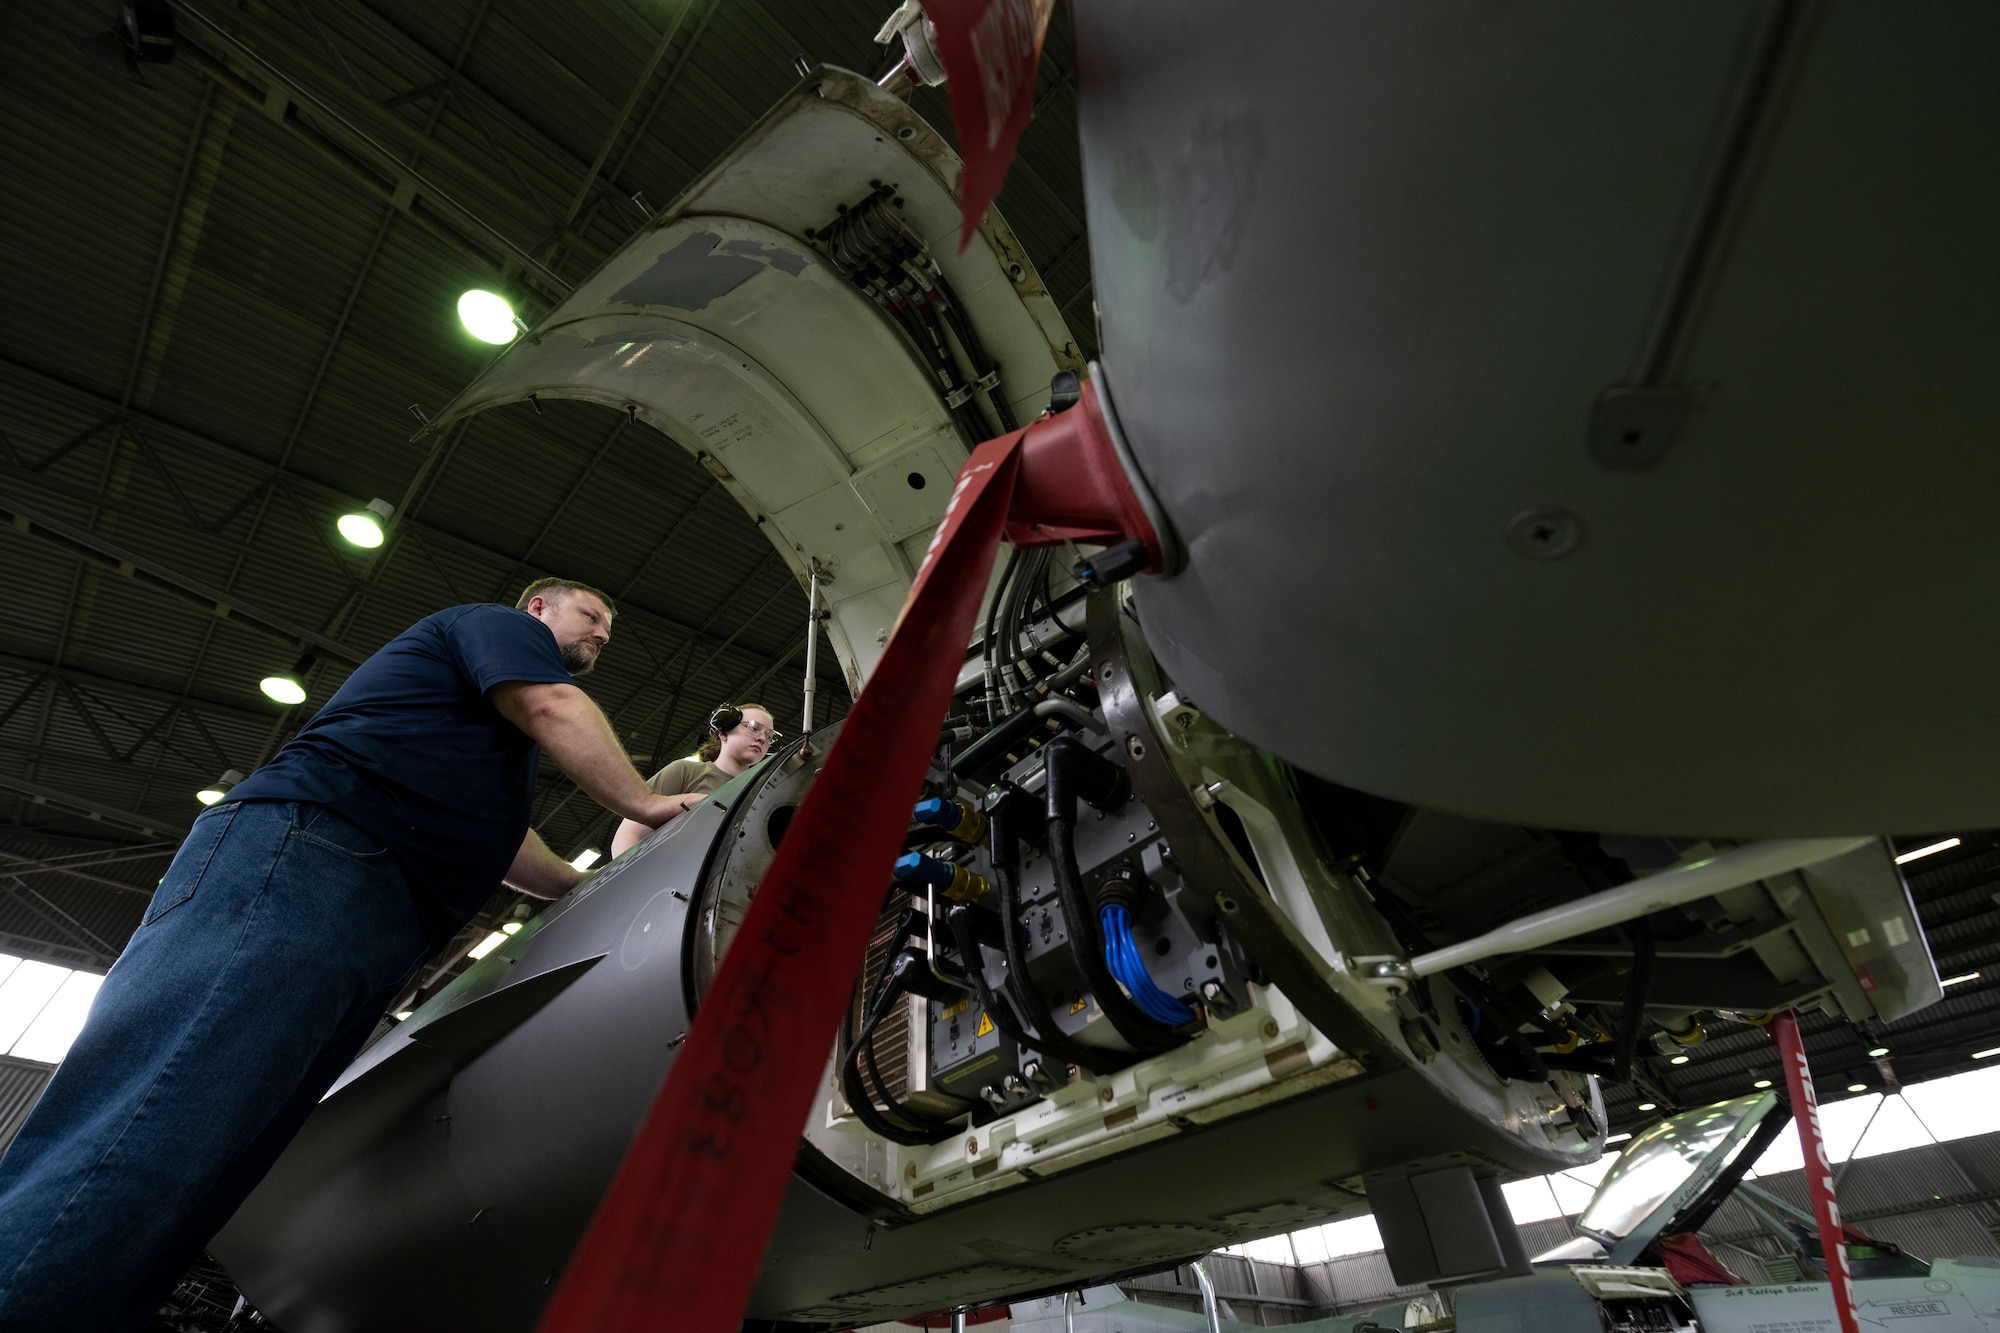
(991,50)
(677,1241)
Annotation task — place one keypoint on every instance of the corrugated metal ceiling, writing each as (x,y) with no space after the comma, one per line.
(221,310)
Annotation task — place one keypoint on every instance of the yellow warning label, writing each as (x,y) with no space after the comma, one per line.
(1076,1005)
(953,1011)
(985,1025)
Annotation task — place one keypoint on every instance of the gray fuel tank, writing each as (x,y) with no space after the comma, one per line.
(1547,392)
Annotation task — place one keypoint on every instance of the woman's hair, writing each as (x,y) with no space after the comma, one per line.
(711,749)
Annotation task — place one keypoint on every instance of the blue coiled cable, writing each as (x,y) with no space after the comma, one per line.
(1121,953)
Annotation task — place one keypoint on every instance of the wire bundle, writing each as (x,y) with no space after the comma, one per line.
(1122,953)
(887,262)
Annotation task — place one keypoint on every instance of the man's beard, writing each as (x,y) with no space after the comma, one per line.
(579,657)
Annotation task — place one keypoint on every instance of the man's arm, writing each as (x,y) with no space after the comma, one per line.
(631,832)
(564,721)
(539,872)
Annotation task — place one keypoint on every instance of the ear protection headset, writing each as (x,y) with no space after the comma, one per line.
(724,719)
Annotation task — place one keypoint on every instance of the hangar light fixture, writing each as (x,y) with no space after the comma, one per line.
(1878,1052)
(1960,979)
(487,317)
(1761,1083)
(288,687)
(486,946)
(1649,1106)
(1931,850)
(364,526)
(1986,1054)
(1857,1087)
(587,858)
(219,788)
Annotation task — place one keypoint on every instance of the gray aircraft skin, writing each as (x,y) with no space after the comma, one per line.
(1441,341)
(445,1180)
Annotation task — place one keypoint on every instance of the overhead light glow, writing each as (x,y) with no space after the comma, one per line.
(1678,1060)
(1616,1138)
(587,858)
(486,946)
(1857,1087)
(1986,1054)
(363,527)
(1649,1106)
(42,1007)
(1931,850)
(1761,1083)
(511,928)
(487,317)
(1960,979)
(403,1015)
(219,788)
(1878,1052)
(284,688)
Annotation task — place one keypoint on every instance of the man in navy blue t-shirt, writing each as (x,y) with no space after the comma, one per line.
(293,914)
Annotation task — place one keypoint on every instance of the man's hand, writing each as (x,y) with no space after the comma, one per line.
(571,728)
(632,832)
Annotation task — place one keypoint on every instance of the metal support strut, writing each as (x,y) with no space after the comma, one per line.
(1642,897)
(812,645)
(1211,1309)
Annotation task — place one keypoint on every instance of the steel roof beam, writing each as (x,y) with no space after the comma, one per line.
(107,556)
(41,794)
(251,76)
(80,864)
(80,935)
(255,463)
(36,669)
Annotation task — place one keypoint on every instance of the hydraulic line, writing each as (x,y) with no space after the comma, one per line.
(1070,766)
(988,645)
(893,268)
(995,744)
(1050,1039)
(975,352)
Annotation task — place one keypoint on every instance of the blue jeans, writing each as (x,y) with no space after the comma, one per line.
(269,952)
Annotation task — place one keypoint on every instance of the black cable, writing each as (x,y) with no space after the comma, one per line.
(1051,1040)
(988,644)
(1638,984)
(917,1129)
(924,333)
(1087,949)
(975,352)
(859,1099)
(1010,627)
(1002,1013)
(1479,992)
(1070,770)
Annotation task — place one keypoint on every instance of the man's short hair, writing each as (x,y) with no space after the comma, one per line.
(555,590)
